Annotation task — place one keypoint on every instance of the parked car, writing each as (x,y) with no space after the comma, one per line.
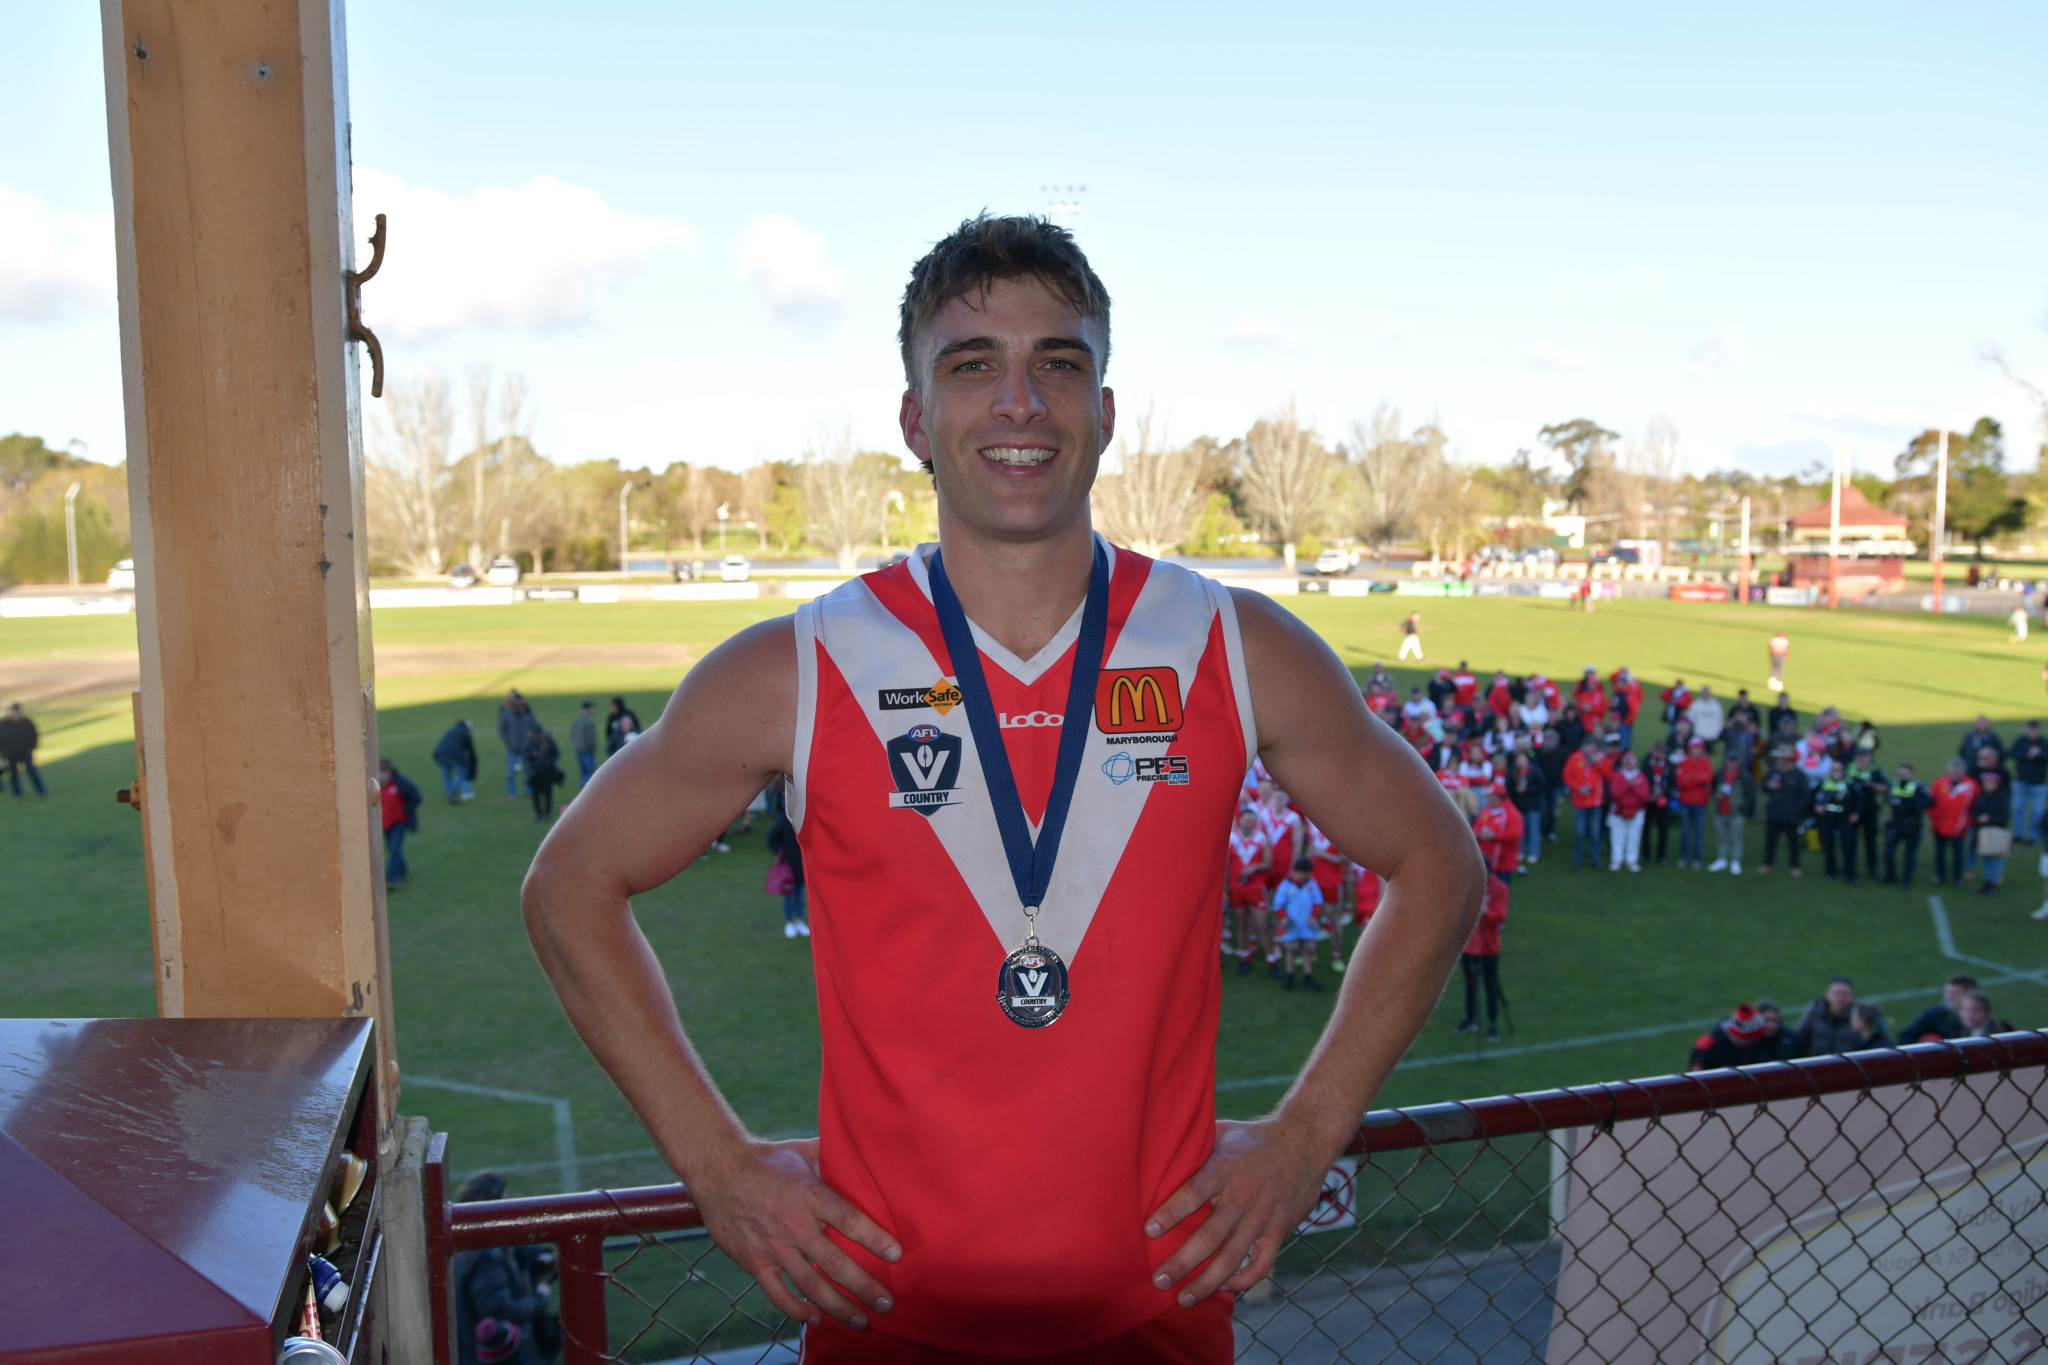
(122,575)
(1333,561)
(462,576)
(734,569)
(503,573)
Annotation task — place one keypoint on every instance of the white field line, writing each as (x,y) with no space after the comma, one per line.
(1946,937)
(565,1127)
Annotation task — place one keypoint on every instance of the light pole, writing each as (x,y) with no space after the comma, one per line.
(1835,520)
(71,531)
(1937,534)
(1742,566)
(624,492)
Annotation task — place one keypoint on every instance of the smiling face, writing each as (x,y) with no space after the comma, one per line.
(1009,410)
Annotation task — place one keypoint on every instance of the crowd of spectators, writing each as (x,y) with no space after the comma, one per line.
(1835,1021)
(1630,779)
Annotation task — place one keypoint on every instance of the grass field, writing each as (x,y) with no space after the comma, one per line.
(1608,975)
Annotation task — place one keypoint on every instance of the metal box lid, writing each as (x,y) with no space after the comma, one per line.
(162,1177)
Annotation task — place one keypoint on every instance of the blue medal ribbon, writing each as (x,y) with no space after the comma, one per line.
(1031,863)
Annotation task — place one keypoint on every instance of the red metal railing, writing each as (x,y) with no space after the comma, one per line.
(578,1225)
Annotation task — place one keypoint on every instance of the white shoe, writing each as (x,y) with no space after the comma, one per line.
(1635,867)
(1336,964)
(789,928)
(1718,865)
(1735,869)
(2042,913)
(721,846)
(803,928)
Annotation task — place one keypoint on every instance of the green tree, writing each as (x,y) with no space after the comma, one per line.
(1585,447)
(1982,503)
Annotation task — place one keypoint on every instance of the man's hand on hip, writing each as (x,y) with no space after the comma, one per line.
(1259,1183)
(768,1211)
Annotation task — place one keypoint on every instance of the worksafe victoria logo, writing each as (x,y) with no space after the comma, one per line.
(942,696)
(925,764)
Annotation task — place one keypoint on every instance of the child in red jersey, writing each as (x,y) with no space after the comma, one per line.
(1244,887)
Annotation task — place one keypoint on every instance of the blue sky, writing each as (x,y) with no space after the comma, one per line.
(1781,226)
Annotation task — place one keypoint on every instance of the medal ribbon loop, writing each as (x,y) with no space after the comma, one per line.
(1031,862)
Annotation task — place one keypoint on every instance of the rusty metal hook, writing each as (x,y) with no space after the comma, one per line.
(356,330)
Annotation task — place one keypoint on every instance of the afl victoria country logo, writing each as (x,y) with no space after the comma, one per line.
(1137,701)
(925,765)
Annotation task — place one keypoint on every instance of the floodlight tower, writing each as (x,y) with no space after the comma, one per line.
(1937,534)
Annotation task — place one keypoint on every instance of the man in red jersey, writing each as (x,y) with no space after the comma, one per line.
(1034,1171)
(1592,699)
(1499,830)
(1464,686)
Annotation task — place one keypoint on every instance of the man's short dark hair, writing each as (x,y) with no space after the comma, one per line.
(983,250)
(1965,980)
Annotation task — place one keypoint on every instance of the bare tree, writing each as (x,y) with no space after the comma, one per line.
(412,491)
(1286,478)
(1390,479)
(844,495)
(1451,506)
(502,475)
(1152,497)
(1657,460)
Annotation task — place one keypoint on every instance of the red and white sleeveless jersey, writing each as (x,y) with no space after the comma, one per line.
(1243,853)
(1016,1165)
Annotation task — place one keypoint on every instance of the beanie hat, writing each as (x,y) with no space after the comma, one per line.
(1745,1025)
(496,1340)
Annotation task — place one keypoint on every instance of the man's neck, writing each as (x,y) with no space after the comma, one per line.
(1020,592)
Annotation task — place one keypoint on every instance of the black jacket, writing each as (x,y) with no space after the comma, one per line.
(1832,801)
(1993,808)
(1866,794)
(1788,797)
(2029,758)
(1715,1049)
(457,746)
(1937,1019)
(1530,795)
(782,843)
(1972,742)
(1908,803)
(493,1284)
(17,739)
(1821,1034)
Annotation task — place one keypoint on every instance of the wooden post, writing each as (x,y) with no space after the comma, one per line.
(228,127)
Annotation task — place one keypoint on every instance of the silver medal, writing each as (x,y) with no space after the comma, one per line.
(1031,986)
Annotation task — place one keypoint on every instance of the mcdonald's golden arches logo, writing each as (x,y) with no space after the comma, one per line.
(1137,701)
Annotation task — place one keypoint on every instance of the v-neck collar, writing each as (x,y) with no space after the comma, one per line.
(1025,671)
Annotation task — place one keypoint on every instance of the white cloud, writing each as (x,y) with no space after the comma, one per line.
(786,262)
(1255,333)
(533,258)
(1551,356)
(1882,422)
(1718,352)
(52,264)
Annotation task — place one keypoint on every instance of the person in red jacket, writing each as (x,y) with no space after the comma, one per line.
(1500,698)
(1592,698)
(1539,683)
(1464,687)
(1481,961)
(1955,793)
(1587,786)
(1628,792)
(1499,830)
(1628,703)
(1695,782)
(1677,700)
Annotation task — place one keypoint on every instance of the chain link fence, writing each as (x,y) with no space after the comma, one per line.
(1884,1206)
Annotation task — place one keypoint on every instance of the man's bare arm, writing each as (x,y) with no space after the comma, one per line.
(1379,804)
(650,811)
